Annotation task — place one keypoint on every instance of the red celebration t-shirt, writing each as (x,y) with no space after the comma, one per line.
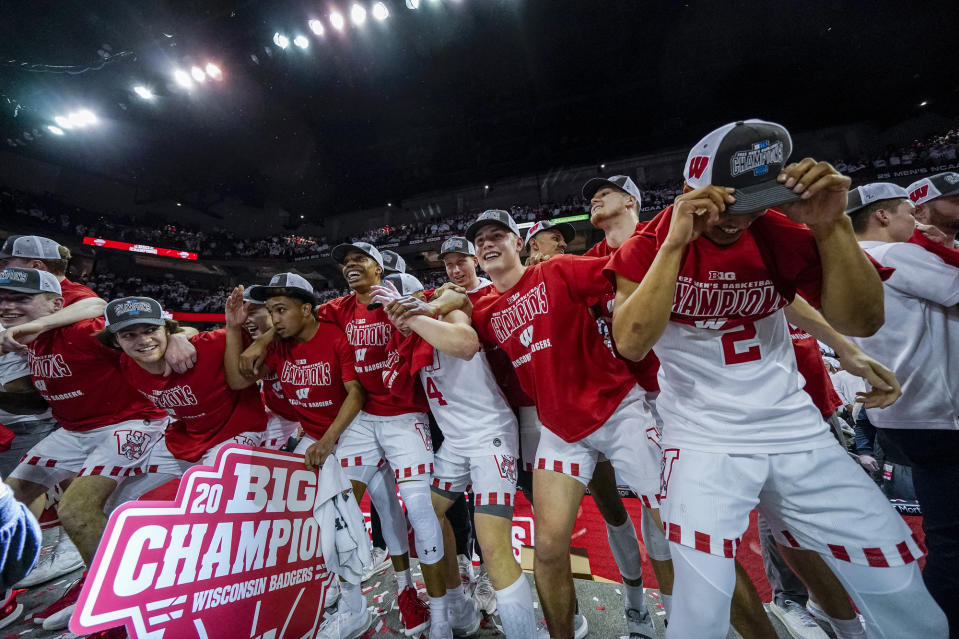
(72,292)
(82,380)
(544,325)
(813,369)
(206,410)
(312,376)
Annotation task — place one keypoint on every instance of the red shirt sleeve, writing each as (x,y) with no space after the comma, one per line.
(632,260)
(583,276)
(73,292)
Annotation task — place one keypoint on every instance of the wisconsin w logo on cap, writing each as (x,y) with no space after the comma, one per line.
(697,166)
(919,193)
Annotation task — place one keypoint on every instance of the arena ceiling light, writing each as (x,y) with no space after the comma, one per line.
(62,122)
(213,71)
(357,15)
(316,27)
(301,41)
(281,40)
(143,92)
(197,74)
(82,118)
(54,129)
(337,21)
(182,78)
(412,4)
(380,12)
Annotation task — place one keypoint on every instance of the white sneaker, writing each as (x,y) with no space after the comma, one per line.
(797,620)
(381,559)
(821,615)
(440,630)
(467,575)
(639,624)
(61,560)
(580,626)
(332,593)
(485,594)
(348,624)
(465,617)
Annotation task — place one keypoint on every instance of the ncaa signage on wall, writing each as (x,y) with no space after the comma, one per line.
(237,554)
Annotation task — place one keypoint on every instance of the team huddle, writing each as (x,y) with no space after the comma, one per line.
(679,355)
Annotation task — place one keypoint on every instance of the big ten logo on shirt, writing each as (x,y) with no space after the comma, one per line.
(523,307)
(48,366)
(175,397)
(132,443)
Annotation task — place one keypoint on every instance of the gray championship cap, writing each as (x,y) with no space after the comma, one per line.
(457,244)
(566,230)
(29,280)
(866,194)
(392,262)
(405,283)
(282,284)
(939,185)
(492,216)
(128,311)
(248,292)
(30,247)
(747,156)
(342,250)
(621,182)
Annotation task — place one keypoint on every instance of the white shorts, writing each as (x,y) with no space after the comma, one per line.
(278,431)
(817,500)
(491,479)
(402,440)
(117,451)
(629,440)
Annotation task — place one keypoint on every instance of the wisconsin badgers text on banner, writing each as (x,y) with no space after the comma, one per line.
(236,555)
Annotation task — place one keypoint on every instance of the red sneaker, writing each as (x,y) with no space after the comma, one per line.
(10,610)
(56,616)
(414,614)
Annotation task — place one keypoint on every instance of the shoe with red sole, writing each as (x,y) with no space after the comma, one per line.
(10,610)
(414,614)
(56,616)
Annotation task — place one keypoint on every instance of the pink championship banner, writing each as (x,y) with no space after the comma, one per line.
(236,555)
(139,248)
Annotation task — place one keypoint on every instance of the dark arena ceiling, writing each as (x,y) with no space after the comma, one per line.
(455,91)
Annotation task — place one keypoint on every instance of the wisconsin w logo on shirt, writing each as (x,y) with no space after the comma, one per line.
(520,313)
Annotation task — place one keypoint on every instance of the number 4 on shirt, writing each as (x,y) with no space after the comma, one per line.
(734,351)
(433,392)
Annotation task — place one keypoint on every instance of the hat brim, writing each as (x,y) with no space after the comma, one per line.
(594,184)
(445,253)
(760,197)
(113,328)
(24,289)
(262,293)
(565,229)
(478,224)
(389,270)
(340,251)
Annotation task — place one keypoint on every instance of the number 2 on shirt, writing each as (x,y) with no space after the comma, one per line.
(732,355)
(433,392)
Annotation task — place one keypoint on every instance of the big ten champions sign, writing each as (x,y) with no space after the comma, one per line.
(236,555)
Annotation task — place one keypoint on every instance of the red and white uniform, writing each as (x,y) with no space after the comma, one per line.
(392,428)
(311,376)
(108,427)
(207,413)
(920,338)
(739,430)
(585,396)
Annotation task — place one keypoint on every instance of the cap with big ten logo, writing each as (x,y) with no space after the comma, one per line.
(31,247)
(128,311)
(457,244)
(29,280)
(939,185)
(498,217)
(747,156)
(868,193)
(393,262)
(282,283)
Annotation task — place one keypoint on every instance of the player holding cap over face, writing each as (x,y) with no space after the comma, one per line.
(706,282)
(937,204)
(586,398)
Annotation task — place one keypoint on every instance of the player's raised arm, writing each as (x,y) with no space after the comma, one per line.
(643,308)
(236,314)
(851,287)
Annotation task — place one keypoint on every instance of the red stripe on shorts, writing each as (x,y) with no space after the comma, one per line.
(557,466)
(675,533)
(507,499)
(574,470)
(702,541)
(728,549)
(905,553)
(789,537)
(839,552)
(875,557)
(922,546)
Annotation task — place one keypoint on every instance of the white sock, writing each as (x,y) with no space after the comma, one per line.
(667,604)
(403,579)
(635,598)
(439,610)
(625,548)
(515,606)
(847,628)
(351,596)
(456,594)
